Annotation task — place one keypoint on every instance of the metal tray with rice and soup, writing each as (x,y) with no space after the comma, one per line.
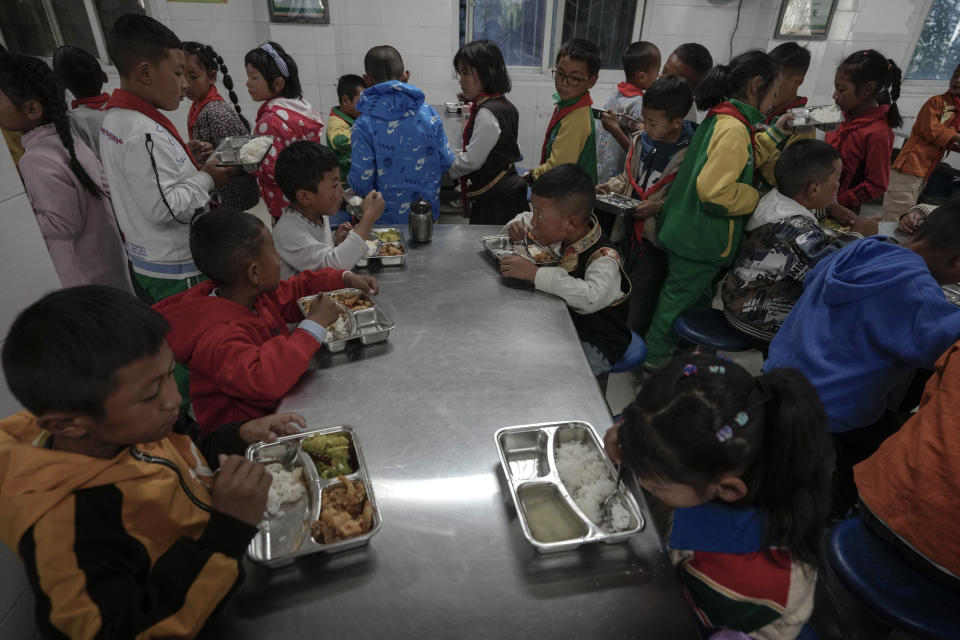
(386,246)
(368,322)
(616,204)
(560,480)
(497,246)
(321,499)
(243,151)
(825,117)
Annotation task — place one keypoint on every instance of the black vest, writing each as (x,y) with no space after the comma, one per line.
(503,154)
(605,329)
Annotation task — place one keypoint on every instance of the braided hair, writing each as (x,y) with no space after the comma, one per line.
(871,66)
(25,78)
(212,62)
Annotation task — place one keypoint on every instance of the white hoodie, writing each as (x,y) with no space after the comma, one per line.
(157,237)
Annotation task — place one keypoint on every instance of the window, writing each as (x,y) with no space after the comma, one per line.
(38,27)
(938,48)
(529,32)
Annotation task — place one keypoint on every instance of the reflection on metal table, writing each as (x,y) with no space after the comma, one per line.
(471,353)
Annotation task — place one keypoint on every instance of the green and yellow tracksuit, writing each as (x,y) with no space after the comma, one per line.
(573,139)
(338,139)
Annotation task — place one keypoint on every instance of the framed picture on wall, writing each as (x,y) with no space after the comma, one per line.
(303,11)
(805,19)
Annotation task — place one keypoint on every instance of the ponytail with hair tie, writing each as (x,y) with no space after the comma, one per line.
(872,66)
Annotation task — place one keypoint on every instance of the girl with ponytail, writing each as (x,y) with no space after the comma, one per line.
(63,179)
(211,119)
(744,463)
(867,86)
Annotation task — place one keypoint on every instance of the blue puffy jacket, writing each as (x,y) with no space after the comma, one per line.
(869,314)
(398,148)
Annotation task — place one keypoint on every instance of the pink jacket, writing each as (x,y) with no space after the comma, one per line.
(79,229)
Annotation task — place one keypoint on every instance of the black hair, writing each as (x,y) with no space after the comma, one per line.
(79,71)
(803,162)
(640,56)
(25,78)
(267,66)
(581,50)
(383,63)
(134,37)
(696,56)
(570,186)
(348,84)
(941,229)
(791,57)
(484,57)
(302,166)
(213,62)
(727,81)
(871,66)
(63,352)
(701,417)
(671,94)
(223,241)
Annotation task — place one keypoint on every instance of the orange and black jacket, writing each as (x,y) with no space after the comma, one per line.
(126,547)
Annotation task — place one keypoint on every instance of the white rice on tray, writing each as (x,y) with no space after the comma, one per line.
(287,486)
(587,478)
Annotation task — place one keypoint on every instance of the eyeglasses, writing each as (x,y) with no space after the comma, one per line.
(563,78)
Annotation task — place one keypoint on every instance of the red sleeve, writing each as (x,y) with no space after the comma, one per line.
(270,125)
(306,283)
(878,144)
(244,369)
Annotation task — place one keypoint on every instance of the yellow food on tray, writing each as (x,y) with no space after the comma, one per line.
(346,513)
(390,250)
(388,235)
(352,301)
(539,256)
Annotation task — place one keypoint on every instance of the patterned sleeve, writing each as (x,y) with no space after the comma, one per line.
(217,121)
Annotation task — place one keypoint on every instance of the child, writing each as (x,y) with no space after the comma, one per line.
(490,188)
(309,175)
(80,73)
(651,166)
(909,488)
(935,131)
(399,146)
(794,62)
(641,66)
(742,461)
(784,240)
(155,182)
(691,61)
(122,527)
(340,121)
(231,332)
(211,119)
(869,314)
(590,278)
(867,86)
(571,133)
(704,212)
(273,79)
(62,177)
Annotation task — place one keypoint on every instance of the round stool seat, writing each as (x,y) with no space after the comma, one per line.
(634,356)
(887,586)
(707,328)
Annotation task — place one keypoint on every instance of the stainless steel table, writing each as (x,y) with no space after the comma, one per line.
(471,353)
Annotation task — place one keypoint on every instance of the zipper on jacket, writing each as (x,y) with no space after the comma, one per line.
(146,457)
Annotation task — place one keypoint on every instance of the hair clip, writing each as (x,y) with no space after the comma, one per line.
(718,369)
(724,433)
(689,369)
(277,59)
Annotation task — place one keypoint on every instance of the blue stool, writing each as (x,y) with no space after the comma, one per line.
(894,592)
(634,356)
(707,328)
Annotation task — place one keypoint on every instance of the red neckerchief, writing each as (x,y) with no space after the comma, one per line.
(643,194)
(558,115)
(197,107)
(799,102)
(123,99)
(467,132)
(628,90)
(96,102)
(727,109)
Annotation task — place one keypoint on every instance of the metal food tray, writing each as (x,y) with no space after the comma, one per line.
(804,121)
(282,538)
(528,457)
(952,292)
(370,326)
(387,261)
(616,204)
(227,152)
(497,246)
